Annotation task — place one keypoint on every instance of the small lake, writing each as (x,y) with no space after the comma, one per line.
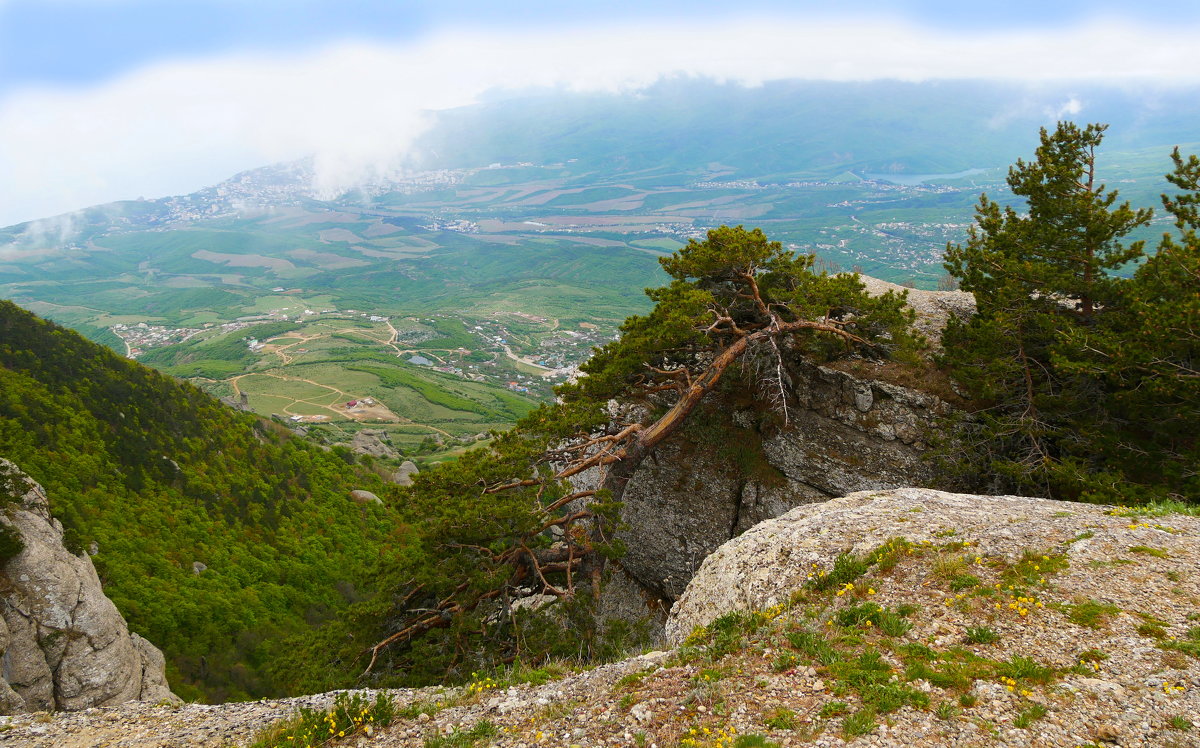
(911,180)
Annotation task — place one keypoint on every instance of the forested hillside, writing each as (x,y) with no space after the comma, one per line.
(214,532)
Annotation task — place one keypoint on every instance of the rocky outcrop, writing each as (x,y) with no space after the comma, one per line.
(934,308)
(64,645)
(1145,562)
(373,442)
(404,474)
(241,402)
(736,465)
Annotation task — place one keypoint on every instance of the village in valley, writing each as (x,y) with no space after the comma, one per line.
(311,366)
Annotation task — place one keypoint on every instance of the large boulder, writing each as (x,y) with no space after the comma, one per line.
(63,644)
(373,442)
(1144,561)
(404,474)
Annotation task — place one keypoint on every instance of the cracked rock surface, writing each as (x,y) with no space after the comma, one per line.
(846,432)
(63,644)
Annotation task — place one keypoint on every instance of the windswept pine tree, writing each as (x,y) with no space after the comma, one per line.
(532,515)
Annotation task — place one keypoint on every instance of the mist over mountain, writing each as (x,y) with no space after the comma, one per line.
(687,127)
(802,128)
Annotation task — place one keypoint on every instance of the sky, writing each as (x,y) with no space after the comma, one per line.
(103,100)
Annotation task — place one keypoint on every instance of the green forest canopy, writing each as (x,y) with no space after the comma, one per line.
(159,475)
(1087,383)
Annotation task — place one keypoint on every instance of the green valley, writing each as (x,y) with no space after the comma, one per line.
(447,291)
(216,533)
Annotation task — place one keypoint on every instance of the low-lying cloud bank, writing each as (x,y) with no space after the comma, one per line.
(357,107)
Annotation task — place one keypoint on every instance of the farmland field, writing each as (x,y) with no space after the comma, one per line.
(454,298)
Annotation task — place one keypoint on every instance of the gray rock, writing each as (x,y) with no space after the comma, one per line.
(765,565)
(934,308)
(154,666)
(623,599)
(642,713)
(360,496)
(373,442)
(403,476)
(689,498)
(65,645)
(242,402)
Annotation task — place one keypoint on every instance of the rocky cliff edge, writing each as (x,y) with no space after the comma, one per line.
(884,618)
(848,430)
(64,645)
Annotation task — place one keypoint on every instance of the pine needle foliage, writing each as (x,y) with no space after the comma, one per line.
(1086,381)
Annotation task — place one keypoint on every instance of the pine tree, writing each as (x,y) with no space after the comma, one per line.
(1035,276)
(1146,357)
(506,521)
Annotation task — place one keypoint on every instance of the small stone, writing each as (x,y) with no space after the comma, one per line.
(641,713)
(1108,732)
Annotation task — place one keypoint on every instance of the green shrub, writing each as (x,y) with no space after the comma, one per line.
(10,543)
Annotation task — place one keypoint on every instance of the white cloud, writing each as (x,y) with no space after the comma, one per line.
(1069,108)
(176,126)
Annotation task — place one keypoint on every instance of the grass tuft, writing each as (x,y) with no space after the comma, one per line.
(1148,551)
(982,635)
(1026,669)
(1091,613)
(861,722)
(463,738)
(782,719)
(1029,715)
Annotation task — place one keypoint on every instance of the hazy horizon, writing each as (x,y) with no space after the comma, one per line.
(159,106)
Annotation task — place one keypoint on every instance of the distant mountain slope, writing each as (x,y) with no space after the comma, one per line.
(534,221)
(215,533)
(815,129)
